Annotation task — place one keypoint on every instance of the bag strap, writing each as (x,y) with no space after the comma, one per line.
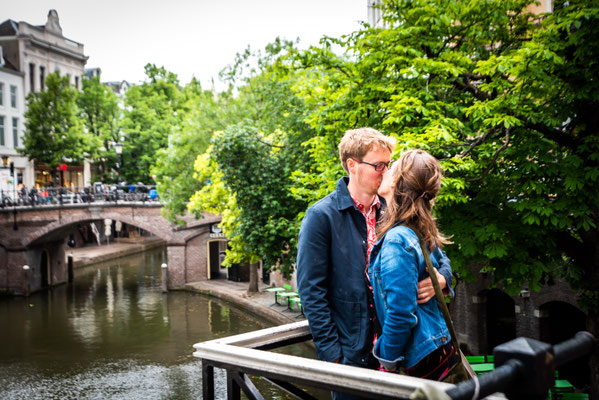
(438,293)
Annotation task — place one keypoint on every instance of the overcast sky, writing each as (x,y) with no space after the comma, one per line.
(187,37)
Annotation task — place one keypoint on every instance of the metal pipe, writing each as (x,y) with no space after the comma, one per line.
(582,343)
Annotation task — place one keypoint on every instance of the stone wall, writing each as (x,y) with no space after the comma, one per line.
(469,311)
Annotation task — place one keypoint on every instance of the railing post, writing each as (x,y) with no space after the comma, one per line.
(70,268)
(233,389)
(164,282)
(207,381)
(26,281)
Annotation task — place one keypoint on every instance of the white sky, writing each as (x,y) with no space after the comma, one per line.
(188,37)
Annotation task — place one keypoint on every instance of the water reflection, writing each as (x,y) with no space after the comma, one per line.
(113,334)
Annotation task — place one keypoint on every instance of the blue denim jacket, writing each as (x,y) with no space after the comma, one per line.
(410,331)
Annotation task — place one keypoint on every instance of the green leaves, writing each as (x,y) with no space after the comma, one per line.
(503,101)
(54,132)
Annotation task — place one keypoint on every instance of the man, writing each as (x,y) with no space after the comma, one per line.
(334,245)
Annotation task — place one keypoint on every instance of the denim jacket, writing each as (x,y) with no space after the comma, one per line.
(411,331)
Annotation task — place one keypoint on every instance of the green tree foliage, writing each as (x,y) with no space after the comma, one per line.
(99,107)
(252,161)
(256,168)
(151,118)
(202,112)
(54,132)
(215,197)
(504,100)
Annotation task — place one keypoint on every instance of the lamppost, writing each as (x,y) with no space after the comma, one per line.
(118,147)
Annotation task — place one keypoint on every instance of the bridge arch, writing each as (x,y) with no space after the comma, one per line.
(25,232)
(58,227)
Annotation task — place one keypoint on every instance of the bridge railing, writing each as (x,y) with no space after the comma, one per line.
(525,369)
(44,196)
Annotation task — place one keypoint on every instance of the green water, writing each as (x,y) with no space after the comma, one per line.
(112,334)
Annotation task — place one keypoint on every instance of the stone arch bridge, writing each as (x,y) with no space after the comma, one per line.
(38,236)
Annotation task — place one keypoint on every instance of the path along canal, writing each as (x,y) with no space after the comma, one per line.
(112,334)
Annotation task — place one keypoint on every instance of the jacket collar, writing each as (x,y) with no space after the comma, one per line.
(344,200)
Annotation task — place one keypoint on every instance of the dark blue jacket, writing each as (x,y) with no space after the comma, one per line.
(331,263)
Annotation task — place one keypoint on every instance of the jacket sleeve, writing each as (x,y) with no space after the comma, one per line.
(313,258)
(445,270)
(399,283)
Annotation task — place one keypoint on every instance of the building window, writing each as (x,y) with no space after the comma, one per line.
(1,130)
(77,82)
(15,132)
(13,96)
(31,77)
(42,77)
(1,94)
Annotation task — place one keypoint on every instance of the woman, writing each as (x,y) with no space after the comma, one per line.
(414,336)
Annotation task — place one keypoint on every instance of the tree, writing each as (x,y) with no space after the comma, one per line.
(256,157)
(151,118)
(255,167)
(54,132)
(100,111)
(508,102)
(202,113)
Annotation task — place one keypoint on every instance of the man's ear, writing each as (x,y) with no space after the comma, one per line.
(351,165)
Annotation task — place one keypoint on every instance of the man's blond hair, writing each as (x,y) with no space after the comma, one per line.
(357,142)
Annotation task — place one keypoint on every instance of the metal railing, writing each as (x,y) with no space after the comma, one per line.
(46,196)
(246,354)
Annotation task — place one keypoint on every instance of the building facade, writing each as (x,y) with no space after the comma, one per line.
(15,169)
(36,51)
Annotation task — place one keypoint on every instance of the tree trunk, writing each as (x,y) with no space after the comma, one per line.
(253,288)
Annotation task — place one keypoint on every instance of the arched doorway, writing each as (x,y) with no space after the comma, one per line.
(560,322)
(45,271)
(501,318)
(216,250)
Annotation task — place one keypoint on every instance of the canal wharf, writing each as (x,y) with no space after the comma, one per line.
(88,255)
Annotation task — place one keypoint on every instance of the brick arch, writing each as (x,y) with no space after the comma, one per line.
(49,224)
(65,222)
(561,291)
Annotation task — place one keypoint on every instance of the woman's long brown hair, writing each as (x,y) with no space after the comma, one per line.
(416,183)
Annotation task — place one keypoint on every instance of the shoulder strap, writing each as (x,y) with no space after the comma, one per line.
(438,293)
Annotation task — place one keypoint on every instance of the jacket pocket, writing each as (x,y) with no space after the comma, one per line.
(347,317)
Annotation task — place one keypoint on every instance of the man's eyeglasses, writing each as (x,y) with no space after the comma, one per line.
(380,166)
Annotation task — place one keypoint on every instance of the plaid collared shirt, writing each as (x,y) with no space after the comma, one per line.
(370,216)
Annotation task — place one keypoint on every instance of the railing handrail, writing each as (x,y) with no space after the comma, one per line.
(240,353)
(69,195)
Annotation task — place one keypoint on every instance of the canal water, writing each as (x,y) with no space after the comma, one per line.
(112,334)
